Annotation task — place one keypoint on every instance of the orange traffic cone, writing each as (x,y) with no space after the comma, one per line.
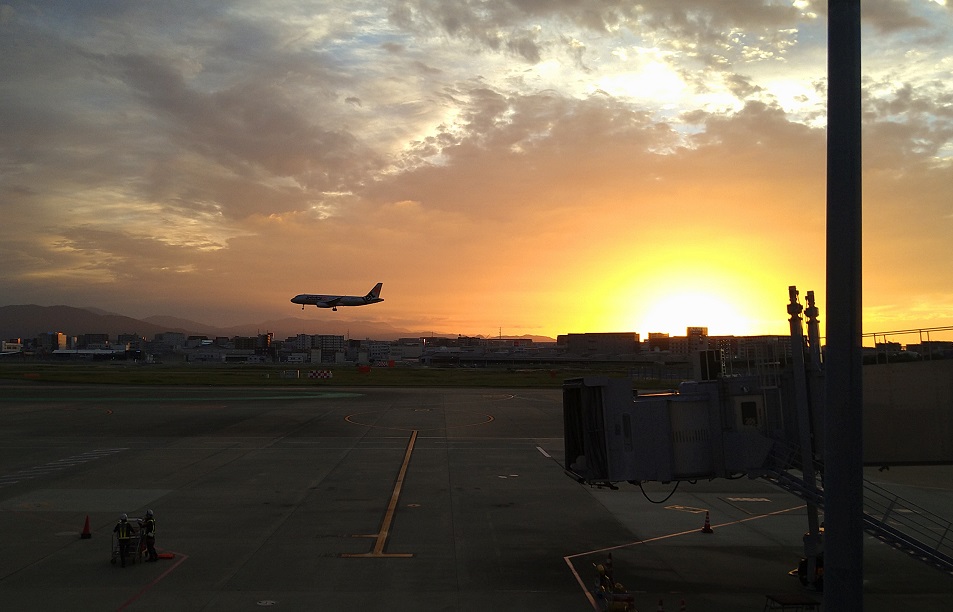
(85,535)
(707,528)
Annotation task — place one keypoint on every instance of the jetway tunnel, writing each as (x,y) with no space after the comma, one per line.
(728,426)
(709,429)
(724,428)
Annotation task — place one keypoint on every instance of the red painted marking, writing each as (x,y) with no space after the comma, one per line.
(149,586)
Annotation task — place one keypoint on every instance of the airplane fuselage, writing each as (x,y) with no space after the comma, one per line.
(333,301)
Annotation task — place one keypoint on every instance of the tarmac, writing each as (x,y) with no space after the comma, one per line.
(384,499)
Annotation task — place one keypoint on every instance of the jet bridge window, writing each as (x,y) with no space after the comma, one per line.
(749,413)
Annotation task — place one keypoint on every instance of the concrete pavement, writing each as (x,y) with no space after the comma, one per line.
(380,499)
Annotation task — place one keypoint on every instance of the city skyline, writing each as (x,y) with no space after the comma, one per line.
(532,167)
(28,321)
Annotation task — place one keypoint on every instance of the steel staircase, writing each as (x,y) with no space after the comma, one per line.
(888,517)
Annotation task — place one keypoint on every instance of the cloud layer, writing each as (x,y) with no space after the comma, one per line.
(538,166)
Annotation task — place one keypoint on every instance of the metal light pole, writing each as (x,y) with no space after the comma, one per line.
(843,424)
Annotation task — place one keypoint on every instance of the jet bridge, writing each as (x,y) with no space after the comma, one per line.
(708,429)
(730,425)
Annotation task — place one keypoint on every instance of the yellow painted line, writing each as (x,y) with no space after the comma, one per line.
(384,533)
(686,509)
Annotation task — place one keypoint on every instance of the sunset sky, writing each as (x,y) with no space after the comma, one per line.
(515,166)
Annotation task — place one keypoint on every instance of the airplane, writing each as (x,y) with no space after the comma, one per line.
(333,301)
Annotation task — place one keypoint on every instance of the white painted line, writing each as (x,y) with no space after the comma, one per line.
(56,466)
(545,454)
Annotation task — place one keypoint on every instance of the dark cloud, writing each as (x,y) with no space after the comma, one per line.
(742,86)
(247,123)
(702,24)
(909,126)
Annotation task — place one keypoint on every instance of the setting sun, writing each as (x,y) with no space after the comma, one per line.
(674,312)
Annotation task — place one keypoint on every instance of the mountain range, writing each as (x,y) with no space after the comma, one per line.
(30,320)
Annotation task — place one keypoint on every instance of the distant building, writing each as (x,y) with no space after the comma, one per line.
(377,350)
(50,341)
(244,343)
(694,340)
(431,342)
(764,349)
(92,341)
(728,345)
(208,353)
(134,342)
(659,341)
(301,342)
(606,343)
(697,339)
(407,348)
(930,348)
(169,341)
(260,344)
(197,341)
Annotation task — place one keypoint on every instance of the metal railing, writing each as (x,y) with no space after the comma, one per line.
(905,523)
(911,528)
(928,348)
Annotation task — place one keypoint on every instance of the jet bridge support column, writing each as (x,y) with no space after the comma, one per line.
(815,374)
(812,540)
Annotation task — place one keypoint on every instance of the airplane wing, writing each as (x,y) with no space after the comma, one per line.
(333,301)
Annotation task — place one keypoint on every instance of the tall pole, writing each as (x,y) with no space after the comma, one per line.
(843,424)
(812,538)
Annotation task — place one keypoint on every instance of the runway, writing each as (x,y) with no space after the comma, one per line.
(381,499)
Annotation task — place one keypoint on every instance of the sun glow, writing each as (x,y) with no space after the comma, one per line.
(659,298)
(672,313)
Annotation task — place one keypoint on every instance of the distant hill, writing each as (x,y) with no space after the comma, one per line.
(29,321)
(175,323)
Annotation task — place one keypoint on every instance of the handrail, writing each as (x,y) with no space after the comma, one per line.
(933,530)
(885,513)
(906,331)
(938,349)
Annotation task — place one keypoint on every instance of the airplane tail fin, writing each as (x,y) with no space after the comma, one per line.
(376,291)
